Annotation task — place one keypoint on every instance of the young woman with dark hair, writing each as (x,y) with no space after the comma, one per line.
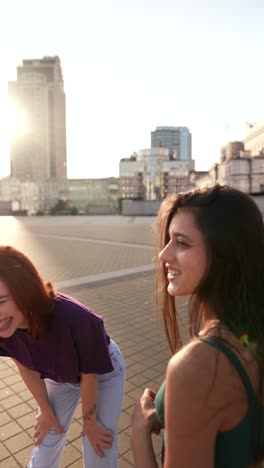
(63,353)
(211,248)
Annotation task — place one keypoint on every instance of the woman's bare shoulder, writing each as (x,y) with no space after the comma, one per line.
(204,368)
(191,357)
(194,363)
(190,382)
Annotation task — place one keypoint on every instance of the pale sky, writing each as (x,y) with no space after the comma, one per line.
(132,65)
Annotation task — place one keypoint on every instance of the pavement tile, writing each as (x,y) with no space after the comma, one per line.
(151,373)
(152,361)
(84,262)
(124,443)
(27,421)
(128,386)
(25,394)
(18,387)
(136,393)
(124,421)
(137,368)
(130,373)
(20,410)
(77,464)
(8,372)
(3,364)
(9,463)
(12,364)
(127,402)
(138,379)
(33,404)
(4,453)
(4,418)
(129,410)
(128,457)
(147,352)
(18,442)
(11,401)
(70,455)
(23,456)
(74,431)
(78,411)
(5,392)
(9,430)
(129,360)
(77,443)
(13,379)
(124,464)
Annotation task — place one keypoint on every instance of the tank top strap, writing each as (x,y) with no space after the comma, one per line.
(233,358)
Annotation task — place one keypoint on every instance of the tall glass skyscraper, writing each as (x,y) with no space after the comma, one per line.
(177,139)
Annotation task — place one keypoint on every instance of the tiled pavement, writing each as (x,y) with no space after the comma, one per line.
(127,304)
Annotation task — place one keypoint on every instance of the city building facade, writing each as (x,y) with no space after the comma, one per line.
(178,140)
(86,196)
(149,174)
(244,173)
(237,169)
(91,196)
(29,196)
(38,151)
(254,138)
(233,149)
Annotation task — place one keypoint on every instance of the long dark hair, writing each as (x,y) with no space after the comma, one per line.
(31,294)
(233,285)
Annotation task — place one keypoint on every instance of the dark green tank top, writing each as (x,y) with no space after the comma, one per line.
(233,449)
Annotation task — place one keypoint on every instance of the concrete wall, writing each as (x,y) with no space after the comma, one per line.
(5,208)
(101,210)
(150,208)
(140,207)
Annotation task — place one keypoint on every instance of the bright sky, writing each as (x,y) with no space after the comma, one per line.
(132,65)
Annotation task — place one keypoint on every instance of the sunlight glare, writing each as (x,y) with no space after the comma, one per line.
(17,120)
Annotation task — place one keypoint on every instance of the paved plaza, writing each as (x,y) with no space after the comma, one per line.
(105,262)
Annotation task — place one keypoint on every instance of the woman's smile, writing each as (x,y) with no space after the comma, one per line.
(172,274)
(5,323)
(184,255)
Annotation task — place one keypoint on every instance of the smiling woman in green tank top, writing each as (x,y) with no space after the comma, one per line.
(210,406)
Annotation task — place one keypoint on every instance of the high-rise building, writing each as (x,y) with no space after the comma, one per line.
(177,139)
(39,151)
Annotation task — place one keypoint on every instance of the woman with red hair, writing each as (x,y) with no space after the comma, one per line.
(63,353)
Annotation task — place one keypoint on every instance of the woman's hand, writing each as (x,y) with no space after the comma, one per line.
(144,418)
(43,424)
(98,435)
(144,423)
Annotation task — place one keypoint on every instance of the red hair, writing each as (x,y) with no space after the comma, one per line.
(32,295)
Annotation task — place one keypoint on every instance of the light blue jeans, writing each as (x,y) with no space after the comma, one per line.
(64,398)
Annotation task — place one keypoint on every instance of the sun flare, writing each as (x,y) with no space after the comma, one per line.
(16,120)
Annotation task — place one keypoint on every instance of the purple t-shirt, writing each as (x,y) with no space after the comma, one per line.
(75,342)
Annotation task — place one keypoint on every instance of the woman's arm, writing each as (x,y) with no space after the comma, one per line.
(46,419)
(98,436)
(36,386)
(192,408)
